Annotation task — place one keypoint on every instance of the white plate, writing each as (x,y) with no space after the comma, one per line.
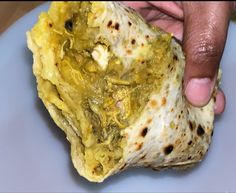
(34,156)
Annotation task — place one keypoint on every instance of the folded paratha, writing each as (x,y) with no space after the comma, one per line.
(113,84)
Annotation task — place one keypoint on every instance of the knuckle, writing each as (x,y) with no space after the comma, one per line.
(207,49)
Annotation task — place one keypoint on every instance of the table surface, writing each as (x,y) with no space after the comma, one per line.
(11,11)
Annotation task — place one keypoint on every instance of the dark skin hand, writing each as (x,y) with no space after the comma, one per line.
(202,28)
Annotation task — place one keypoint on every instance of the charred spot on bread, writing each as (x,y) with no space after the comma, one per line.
(200,131)
(123,166)
(143,157)
(109,23)
(133,41)
(117,26)
(144,132)
(153,103)
(190,125)
(163,101)
(168,149)
(139,146)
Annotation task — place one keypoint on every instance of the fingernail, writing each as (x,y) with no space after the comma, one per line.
(198,91)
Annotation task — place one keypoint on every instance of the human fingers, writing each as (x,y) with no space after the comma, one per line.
(205,31)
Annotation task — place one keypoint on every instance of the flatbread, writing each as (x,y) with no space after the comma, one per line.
(164,131)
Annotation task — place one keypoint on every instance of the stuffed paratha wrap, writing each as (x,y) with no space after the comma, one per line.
(113,84)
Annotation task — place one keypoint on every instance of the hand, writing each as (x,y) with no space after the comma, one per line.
(202,29)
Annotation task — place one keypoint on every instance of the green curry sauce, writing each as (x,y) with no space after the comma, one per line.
(104,101)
